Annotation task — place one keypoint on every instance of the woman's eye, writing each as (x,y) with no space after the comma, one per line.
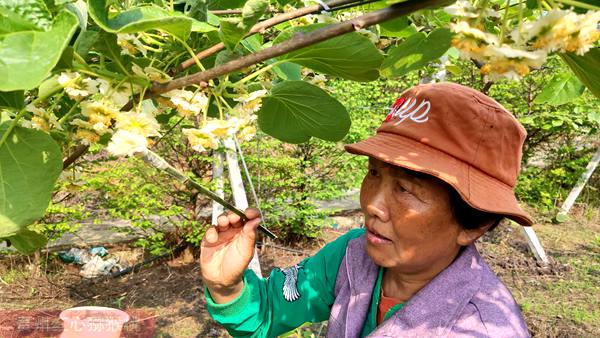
(373,172)
(400,188)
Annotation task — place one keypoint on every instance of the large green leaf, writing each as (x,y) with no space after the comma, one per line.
(561,89)
(225,4)
(351,56)
(140,19)
(416,51)
(15,100)
(35,12)
(27,241)
(297,110)
(288,71)
(586,68)
(27,57)
(11,22)
(233,30)
(30,162)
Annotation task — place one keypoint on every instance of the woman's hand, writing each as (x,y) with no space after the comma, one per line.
(225,252)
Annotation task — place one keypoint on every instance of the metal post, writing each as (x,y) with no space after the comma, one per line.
(589,170)
(239,192)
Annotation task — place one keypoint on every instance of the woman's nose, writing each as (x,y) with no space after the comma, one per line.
(377,206)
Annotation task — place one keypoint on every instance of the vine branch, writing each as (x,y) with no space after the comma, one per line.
(299,41)
(263,25)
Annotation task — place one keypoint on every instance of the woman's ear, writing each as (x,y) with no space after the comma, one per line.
(466,237)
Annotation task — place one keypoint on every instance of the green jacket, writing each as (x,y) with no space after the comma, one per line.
(288,298)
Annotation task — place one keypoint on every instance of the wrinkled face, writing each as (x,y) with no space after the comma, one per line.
(409,220)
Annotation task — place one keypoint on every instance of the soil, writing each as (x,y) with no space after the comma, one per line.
(165,299)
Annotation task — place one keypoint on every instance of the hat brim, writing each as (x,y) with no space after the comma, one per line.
(475,187)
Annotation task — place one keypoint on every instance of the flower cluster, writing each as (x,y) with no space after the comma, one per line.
(78,87)
(527,46)
(211,135)
(133,130)
(98,120)
(561,31)
(240,124)
(42,119)
(131,44)
(187,103)
(99,102)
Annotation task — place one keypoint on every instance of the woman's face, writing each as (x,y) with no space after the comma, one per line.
(409,220)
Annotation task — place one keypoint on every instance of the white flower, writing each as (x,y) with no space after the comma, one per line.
(125,142)
(221,128)
(252,102)
(140,123)
(90,85)
(103,86)
(529,30)
(120,97)
(464,28)
(188,103)
(67,78)
(199,140)
(70,82)
(151,73)
(130,44)
(246,133)
(35,110)
(465,9)
(533,59)
(562,31)
(42,119)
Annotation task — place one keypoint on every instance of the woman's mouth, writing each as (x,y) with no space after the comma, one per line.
(377,239)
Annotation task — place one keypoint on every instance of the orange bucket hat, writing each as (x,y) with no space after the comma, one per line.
(458,135)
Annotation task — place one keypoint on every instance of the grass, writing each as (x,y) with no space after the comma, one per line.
(568,292)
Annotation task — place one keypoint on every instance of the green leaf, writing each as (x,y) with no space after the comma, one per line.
(225,4)
(15,99)
(586,68)
(80,9)
(297,110)
(197,9)
(49,87)
(288,71)
(561,89)
(30,164)
(11,22)
(394,27)
(350,56)
(594,116)
(66,59)
(85,41)
(233,30)
(27,57)
(202,27)
(33,11)
(107,45)
(27,241)
(140,19)
(416,51)
(561,218)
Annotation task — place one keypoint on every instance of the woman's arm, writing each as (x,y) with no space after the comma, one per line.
(286,299)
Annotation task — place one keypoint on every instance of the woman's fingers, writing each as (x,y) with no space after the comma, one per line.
(250,227)
(223,222)
(234,220)
(252,213)
(211,236)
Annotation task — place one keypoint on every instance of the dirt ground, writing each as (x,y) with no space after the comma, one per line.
(561,300)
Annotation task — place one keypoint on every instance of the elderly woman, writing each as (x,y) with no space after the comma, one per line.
(442,168)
